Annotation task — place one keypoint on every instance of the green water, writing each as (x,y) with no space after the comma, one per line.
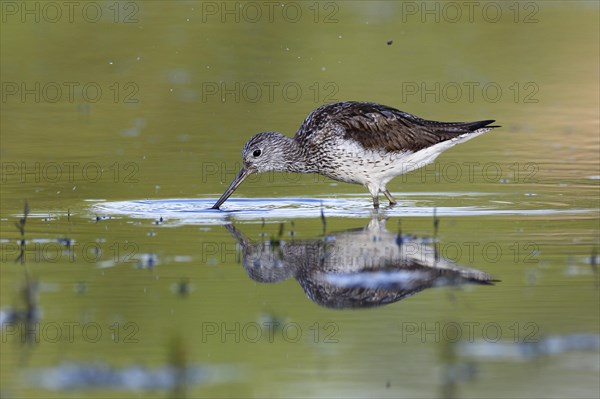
(128,101)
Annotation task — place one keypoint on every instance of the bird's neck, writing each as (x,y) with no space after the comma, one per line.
(297,158)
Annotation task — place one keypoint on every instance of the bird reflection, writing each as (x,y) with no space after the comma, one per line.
(357,268)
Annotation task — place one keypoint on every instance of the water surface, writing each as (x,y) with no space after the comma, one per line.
(124,283)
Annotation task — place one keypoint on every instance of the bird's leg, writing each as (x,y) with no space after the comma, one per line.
(390,197)
(376,201)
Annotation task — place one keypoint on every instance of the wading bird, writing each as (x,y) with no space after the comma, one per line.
(355,142)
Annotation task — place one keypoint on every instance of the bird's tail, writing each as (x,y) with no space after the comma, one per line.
(472,126)
(466,127)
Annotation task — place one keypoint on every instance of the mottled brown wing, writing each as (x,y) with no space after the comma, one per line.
(376,126)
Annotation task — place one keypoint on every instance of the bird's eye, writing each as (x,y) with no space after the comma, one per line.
(256,153)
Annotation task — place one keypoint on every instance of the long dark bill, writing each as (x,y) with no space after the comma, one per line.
(241,176)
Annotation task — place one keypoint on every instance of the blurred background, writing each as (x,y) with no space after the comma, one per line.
(108,101)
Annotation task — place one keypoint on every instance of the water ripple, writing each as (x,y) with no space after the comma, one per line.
(197,210)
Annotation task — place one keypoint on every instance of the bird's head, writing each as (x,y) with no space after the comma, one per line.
(265,152)
(262,153)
